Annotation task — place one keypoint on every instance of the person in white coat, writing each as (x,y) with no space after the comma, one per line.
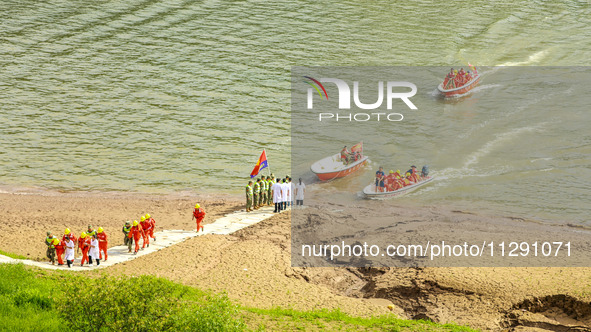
(69,255)
(285,193)
(94,250)
(300,189)
(291,190)
(277,195)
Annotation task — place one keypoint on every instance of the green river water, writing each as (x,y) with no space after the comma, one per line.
(166,96)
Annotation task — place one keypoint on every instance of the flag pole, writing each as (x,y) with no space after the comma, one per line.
(268,166)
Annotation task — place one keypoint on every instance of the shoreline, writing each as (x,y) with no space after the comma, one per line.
(238,196)
(54,191)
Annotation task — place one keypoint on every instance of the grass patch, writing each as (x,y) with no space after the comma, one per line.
(61,301)
(11,255)
(321,319)
(36,300)
(26,301)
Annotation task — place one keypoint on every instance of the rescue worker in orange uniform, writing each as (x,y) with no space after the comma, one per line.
(60,248)
(84,245)
(153,223)
(146,226)
(448,83)
(407,180)
(136,233)
(414,176)
(390,180)
(468,77)
(398,183)
(345,155)
(102,239)
(461,72)
(198,215)
(68,233)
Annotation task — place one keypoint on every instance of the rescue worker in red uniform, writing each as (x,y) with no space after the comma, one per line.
(390,180)
(72,236)
(146,226)
(414,174)
(60,248)
(345,155)
(136,233)
(153,223)
(102,239)
(449,82)
(449,77)
(408,180)
(198,214)
(468,77)
(84,245)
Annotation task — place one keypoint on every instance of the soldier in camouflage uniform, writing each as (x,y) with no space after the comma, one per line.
(127,240)
(249,194)
(263,195)
(50,253)
(257,191)
(270,181)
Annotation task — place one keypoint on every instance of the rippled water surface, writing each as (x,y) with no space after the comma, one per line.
(174,95)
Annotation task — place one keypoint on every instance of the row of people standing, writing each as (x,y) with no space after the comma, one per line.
(259,193)
(270,190)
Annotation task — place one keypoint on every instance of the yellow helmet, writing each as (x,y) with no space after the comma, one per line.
(143,218)
(148,216)
(407,174)
(100,230)
(67,231)
(197,206)
(83,235)
(56,242)
(135,222)
(398,171)
(391,171)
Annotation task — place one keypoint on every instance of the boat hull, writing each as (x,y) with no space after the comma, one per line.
(325,175)
(456,92)
(370,190)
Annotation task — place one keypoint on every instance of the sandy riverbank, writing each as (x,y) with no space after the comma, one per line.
(253,266)
(25,217)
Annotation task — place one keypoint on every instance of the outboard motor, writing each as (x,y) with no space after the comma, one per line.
(425,171)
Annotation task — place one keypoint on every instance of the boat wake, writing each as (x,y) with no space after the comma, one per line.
(532,59)
(470,167)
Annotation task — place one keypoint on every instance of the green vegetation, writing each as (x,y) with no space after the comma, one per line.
(336,319)
(58,301)
(32,300)
(11,255)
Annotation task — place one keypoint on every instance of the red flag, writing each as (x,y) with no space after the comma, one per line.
(262,163)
